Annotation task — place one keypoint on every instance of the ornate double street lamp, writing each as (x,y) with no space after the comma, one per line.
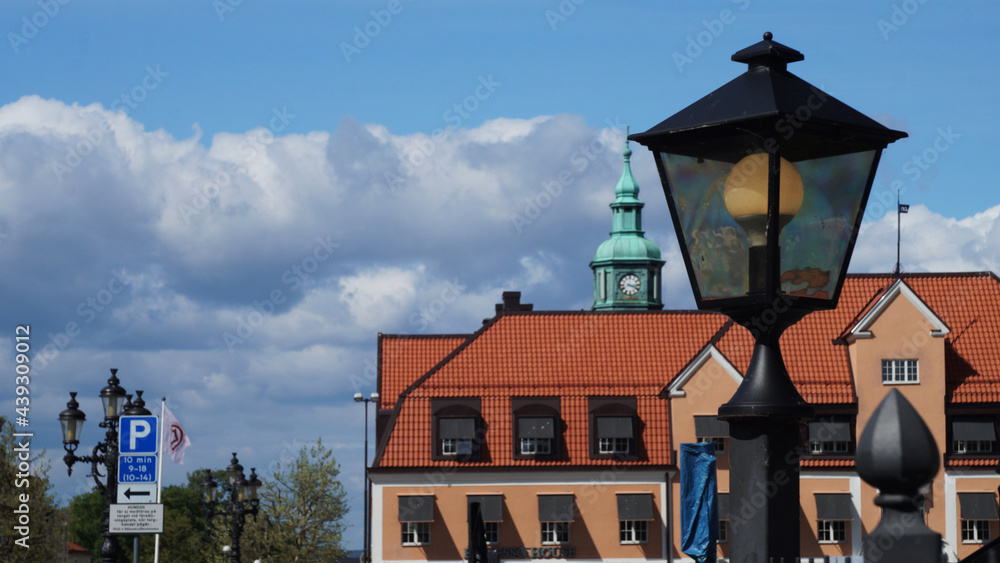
(243,499)
(767,179)
(367,555)
(115,402)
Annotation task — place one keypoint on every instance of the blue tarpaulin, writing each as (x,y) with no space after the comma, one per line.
(699,502)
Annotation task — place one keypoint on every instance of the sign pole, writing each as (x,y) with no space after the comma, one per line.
(159,483)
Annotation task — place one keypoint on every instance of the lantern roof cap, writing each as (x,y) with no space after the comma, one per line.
(767,105)
(768,53)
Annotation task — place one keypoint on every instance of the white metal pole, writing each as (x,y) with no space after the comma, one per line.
(159,474)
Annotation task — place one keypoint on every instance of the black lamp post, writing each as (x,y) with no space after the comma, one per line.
(243,498)
(113,400)
(367,555)
(767,180)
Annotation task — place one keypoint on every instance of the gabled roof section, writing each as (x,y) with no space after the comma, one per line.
(403,358)
(897,289)
(676,387)
(572,355)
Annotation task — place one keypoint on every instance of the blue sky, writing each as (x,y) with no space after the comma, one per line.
(339,169)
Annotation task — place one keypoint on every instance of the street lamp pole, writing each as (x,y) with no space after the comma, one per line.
(243,498)
(367,554)
(113,399)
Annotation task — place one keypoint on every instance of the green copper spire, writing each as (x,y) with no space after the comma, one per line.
(627,265)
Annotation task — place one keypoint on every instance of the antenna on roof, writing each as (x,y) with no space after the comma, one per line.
(900,209)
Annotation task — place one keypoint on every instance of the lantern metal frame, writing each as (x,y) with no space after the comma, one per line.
(242,497)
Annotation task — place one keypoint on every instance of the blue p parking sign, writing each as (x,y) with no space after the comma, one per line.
(137,435)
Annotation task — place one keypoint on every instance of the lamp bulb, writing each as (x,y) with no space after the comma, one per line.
(745,193)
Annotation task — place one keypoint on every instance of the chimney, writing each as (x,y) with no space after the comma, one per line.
(512,302)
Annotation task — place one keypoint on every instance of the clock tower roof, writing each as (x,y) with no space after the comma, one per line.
(627,253)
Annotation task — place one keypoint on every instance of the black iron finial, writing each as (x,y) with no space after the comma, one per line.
(897,454)
(768,36)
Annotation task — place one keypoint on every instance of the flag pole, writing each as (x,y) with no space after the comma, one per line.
(159,473)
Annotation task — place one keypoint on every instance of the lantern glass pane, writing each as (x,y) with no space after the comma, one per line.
(716,245)
(815,242)
(71,430)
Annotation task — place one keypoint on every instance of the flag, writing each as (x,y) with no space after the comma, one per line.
(903,208)
(175,439)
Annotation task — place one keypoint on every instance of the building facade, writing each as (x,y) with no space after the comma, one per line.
(565,426)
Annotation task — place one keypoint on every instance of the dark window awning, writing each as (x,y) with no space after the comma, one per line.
(973,428)
(723,506)
(614,427)
(490,505)
(978,506)
(416,508)
(829,431)
(635,506)
(457,428)
(834,506)
(536,428)
(710,427)
(555,508)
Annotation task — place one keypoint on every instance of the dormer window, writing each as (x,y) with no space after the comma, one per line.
(973,434)
(456,430)
(614,427)
(830,434)
(536,424)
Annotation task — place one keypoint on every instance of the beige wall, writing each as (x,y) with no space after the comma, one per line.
(903,332)
(593,534)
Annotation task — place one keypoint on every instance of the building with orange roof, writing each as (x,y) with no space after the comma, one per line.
(565,426)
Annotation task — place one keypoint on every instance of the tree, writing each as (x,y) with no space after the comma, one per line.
(302,510)
(31,528)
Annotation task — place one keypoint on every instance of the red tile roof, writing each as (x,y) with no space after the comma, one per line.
(566,354)
(956,461)
(815,462)
(574,355)
(404,358)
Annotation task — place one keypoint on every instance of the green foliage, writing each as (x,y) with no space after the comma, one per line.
(86,512)
(302,510)
(30,494)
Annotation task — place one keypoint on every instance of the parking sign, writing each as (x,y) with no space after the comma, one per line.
(137,435)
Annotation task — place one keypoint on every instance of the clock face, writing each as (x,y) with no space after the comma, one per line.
(629,284)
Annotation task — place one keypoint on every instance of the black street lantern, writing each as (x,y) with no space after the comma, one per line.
(105,454)
(243,498)
(767,179)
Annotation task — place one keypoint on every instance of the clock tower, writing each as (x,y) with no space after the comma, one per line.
(627,267)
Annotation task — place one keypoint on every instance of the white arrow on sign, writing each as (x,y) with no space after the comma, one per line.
(136,493)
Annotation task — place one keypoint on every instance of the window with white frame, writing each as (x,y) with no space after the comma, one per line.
(633,531)
(977,511)
(900,371)
(718,441)
(817,447)
(975,531)
(972,446)
(555,533)
(614,426)
(614,445)
(456,446)
(536,446)
(832,531)
(492,532)
(723,531)
(416,533)
(973,433)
